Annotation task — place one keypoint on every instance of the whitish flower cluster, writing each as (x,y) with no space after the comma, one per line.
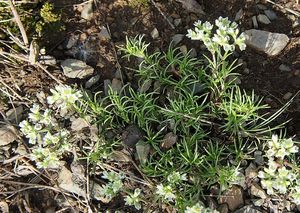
(226,36)
(198,208)
(64,98)
(280,148)
(167,192)
(276,178)
(49,140)
(134,199)
(114,185)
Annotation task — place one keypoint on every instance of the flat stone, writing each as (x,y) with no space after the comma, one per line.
(251,171)
(15,114)
(261,6)
(192,6)
(257,191)
(131,136)
(284,68)
(248,209)
(168,141)
(193,53)
(47,60)
(74,68)
(104,34)
(87,11)
(239,15)
(177,22)
(72,41)
(233,197)
(287,96)
(223,208)
(79,124)
(258,158)
(155,33)
(263,19)
(177,38)
(254,22)
(116,85)
(183,49)
(93,80)
(267,42)
(271,14)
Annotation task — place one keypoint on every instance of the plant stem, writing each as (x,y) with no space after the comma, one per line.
(19,23)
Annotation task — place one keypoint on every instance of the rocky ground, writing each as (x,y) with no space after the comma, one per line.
(87,54)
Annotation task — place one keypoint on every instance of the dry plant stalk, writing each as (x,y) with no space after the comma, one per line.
(19,23)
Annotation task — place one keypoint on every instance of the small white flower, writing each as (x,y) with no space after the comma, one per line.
(165,192)
(176,177)
(134,199)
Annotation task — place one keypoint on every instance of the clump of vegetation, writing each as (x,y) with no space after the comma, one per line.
(138,3)
(187,117)
(50,20)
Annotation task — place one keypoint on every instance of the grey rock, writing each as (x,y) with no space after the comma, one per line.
(168,141)
(155,33)
(107,86)
(261,7)
(104,34)
(267,42)
(177,22)
(93,80)
(143,151)
(271,14)
(193,53)
(246,71)
(254,22)
(15,114)
(258,158)
(8,134)
(74,68)
(177,38)
(284,68)
(132,135)
(251,171)
(145,86)
(239,15)
(87,11)
(248,209)
(116,85)
(287,96)
(192,6)
(263,19)
(241,180)
(258,202)
(72,41)
(257,191)
(223,208)
(47,60)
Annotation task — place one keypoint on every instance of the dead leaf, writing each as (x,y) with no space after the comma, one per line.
(8,134)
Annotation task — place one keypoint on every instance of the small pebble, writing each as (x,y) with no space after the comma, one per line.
(261,7)
(155,33)
(284,68)
(177,22)
(297,73)
(239,15)
(263,19)
(183,49)
(254,22)
(271,14)
(287,96)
